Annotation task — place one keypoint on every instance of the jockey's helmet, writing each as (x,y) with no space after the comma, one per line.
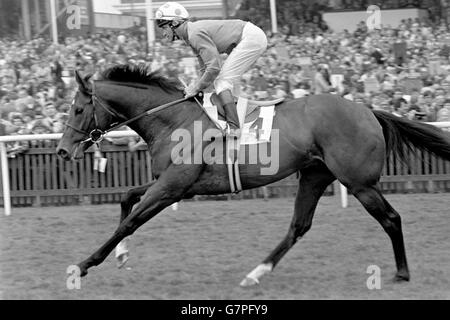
(169,12)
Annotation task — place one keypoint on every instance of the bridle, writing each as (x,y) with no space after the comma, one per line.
(96,135)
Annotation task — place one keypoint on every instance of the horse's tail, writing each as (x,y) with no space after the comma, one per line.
(399,132)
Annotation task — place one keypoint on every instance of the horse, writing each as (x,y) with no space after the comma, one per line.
(322,137)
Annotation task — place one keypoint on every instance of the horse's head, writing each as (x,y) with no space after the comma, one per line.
(88,119)
(124,92)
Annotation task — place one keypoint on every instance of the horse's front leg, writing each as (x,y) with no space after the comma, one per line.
(132,197)
(160,195)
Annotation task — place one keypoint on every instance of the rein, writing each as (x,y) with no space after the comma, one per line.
(97,135)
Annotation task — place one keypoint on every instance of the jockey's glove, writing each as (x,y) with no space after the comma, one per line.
(191,91)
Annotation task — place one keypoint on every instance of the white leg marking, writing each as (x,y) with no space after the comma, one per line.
(122,253)
(253,277)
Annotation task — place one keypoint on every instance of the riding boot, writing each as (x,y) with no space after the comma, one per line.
(229,107)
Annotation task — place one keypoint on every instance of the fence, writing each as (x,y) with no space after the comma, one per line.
(39,178)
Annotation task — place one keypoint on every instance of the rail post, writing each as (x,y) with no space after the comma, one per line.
(5,179)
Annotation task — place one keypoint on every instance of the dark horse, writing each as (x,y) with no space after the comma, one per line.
(324,137)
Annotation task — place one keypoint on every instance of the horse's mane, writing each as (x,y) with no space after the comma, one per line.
(141,74)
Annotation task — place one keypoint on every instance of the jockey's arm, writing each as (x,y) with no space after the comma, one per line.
(209,59)
(207,79)
(202,65)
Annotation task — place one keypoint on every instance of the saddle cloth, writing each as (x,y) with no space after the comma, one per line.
(255,118)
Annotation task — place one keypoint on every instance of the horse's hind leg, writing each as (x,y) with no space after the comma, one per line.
(132,197)
(313,183)
(374,202)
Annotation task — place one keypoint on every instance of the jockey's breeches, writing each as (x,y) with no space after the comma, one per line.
(244,55)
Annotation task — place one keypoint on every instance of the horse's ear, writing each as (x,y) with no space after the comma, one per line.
(78,78)
(80,81)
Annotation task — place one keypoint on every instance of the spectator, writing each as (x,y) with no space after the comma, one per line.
(402,109)
(50,114)
(444,113)
(321,83)
(40,127)
(60,122)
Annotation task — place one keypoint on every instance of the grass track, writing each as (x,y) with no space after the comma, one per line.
(203,250)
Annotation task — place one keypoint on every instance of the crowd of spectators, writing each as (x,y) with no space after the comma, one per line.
(403,70)
(386,4)
(306,57)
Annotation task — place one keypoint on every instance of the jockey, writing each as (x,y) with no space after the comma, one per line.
(242,41)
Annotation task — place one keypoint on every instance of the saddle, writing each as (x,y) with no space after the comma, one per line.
(252,105)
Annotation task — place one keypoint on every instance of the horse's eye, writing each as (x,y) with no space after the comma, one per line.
(78,110)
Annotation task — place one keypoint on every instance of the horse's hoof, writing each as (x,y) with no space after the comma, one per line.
(83,271)
(122,259)
(400,277)
(249,282)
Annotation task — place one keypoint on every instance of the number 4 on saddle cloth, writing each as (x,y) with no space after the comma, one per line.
(257,116)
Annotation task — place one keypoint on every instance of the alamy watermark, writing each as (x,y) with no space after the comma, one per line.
(374,280)
(74,279)
(374,20)
(73,21)
(189,149)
